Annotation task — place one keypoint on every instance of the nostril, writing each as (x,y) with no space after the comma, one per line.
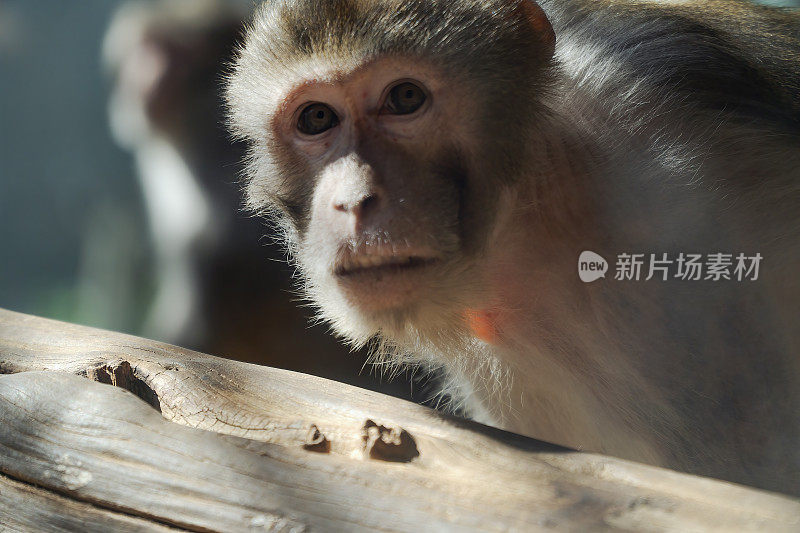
(359,207)
(368,203)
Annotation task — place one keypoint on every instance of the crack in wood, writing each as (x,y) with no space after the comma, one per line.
(72,507)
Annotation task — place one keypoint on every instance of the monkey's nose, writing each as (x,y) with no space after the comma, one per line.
(359,208)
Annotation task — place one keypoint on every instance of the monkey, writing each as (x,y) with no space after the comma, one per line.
(164,125)
(436,168)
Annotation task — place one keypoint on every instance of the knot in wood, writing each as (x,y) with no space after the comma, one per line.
(388,443)
(316,441)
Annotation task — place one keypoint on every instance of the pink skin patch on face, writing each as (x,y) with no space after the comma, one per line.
(482,324)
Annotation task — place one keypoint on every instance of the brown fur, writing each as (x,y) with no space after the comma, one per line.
(655,127)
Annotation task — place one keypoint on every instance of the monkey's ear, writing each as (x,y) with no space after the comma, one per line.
(536,18)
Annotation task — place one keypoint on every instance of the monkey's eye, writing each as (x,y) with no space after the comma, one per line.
(316,118)
(404,98)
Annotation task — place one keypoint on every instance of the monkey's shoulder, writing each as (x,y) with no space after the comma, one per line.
(724,54)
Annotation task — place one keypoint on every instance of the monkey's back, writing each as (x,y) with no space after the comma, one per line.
(696,109)
(729,55)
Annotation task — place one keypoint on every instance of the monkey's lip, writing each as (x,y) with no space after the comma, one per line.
(381,279)
(356,265)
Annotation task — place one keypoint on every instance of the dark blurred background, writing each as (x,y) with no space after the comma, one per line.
(119,203)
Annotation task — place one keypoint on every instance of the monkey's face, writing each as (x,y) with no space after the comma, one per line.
(382,134)
(381,151)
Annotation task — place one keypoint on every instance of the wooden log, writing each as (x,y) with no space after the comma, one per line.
(199,443)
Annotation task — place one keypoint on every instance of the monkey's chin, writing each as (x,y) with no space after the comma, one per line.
(389,287)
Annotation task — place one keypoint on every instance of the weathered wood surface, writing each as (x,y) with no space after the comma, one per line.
(80,454)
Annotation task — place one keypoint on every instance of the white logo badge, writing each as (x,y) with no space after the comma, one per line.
(591,266)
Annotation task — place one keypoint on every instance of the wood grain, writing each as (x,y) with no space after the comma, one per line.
(185,440)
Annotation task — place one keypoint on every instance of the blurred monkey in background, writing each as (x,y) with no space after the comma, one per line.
(165,57)
(435,168)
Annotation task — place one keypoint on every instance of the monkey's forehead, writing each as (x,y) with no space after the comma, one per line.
(308,27)
(291,42)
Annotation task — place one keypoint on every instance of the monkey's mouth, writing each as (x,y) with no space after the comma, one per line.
(381,278)
(378,265)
